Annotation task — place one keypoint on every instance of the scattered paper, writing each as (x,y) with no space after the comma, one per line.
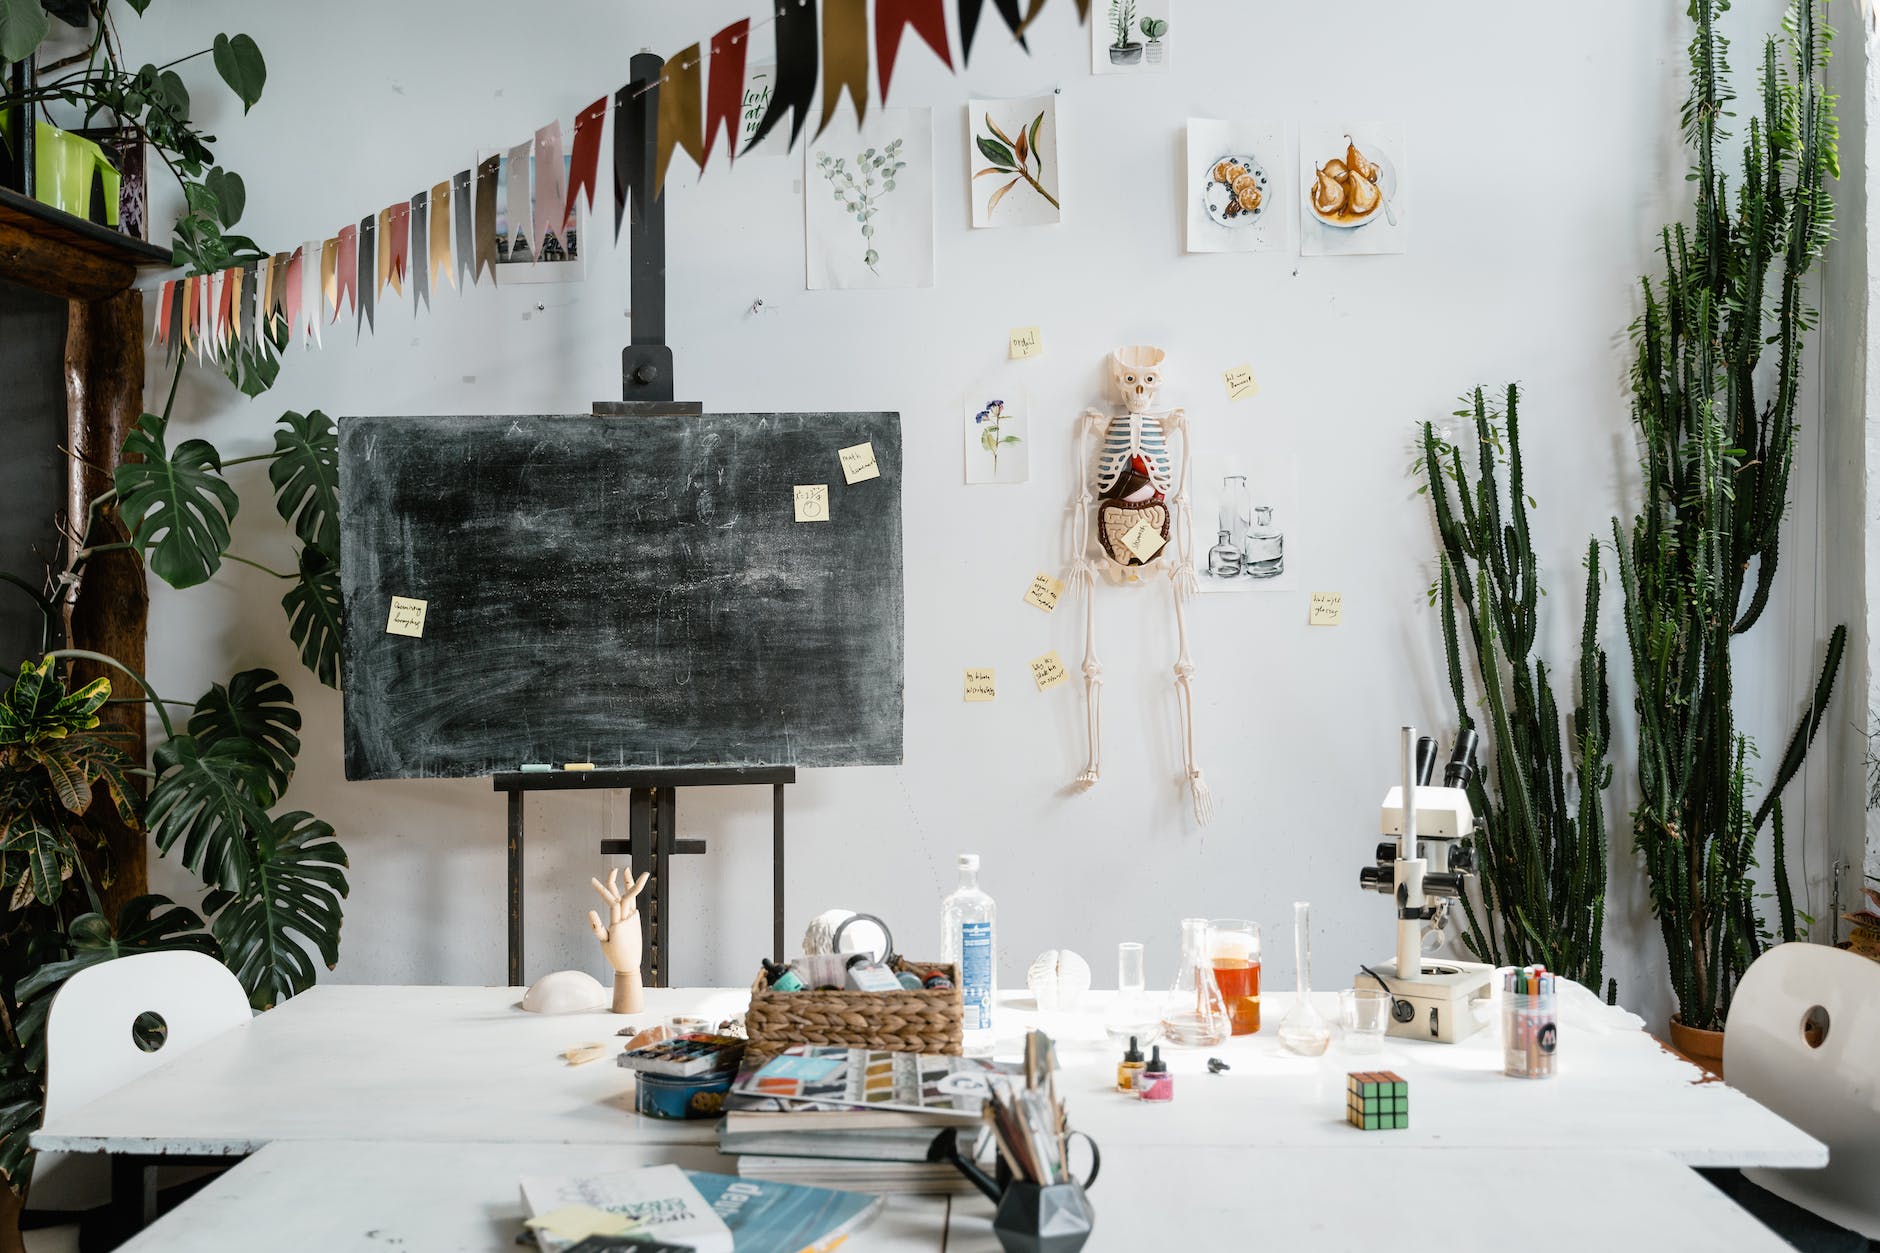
(578,1222)
(407,617)
(1026,342)
(1240,383)
(812,502)
(1328,609)
(1048,671)
(980,684)
(1143,540)
(858,463)
(1044,592)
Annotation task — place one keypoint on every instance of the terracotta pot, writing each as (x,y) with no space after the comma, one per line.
(1705,1048)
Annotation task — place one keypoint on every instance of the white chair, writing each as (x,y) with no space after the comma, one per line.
(1804,1040)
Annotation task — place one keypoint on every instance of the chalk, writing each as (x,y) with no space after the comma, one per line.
(535,767)
(578,765)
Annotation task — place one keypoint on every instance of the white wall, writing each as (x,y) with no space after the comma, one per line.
(1545,156)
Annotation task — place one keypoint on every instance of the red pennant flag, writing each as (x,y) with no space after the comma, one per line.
(893,17)
(224,324)
(347,270)
(164,311)
(724,90)
(585,162)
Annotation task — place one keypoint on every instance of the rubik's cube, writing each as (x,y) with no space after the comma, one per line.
(1377,1100)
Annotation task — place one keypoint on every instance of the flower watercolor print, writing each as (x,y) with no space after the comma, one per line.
(1238,192)
(994,428)
(1014,159)
(1129,37)
(1354,183)
(868,202)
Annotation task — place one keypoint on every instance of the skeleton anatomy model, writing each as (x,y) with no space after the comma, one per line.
(1142,518)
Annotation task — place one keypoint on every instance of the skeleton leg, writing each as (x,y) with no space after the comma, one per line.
(1083,579)
(1182,583)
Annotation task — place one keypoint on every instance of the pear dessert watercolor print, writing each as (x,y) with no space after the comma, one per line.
(998,448)
(868,202)
(1239,197)
(1354,184)
(1014,161)
(1129,37)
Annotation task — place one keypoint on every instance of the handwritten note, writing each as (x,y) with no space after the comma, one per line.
(1328,609)
(812,502)
(1048,671)
(1026,342)
(858,463)
(980,684)
(407,617)
(1240,383)
(1144,540)
(1044,592)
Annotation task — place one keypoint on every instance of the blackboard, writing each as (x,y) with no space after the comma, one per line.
(628,591)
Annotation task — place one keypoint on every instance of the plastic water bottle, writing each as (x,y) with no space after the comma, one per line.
(966,918)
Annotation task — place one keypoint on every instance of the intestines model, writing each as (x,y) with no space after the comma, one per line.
(1142,525)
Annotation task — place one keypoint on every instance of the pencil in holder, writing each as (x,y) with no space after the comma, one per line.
(1530,1025)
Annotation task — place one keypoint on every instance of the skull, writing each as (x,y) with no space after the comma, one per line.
(1137,372)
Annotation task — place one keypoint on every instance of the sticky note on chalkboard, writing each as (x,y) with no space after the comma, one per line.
(407,617)
(1328,609)
(1143,540)
(858,463)
(1048,671)
(1026,342)
(1240,384)
(980,684)
(812,502)
(1044,592)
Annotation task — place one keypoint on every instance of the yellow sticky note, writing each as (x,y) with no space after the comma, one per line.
(980,684)
(574,1223)
(1044,592)
(407,617)
(1240,384)
(1026,342)
(1048,671)
(812,502)
(1143,540)
(1328,609)
(858,463)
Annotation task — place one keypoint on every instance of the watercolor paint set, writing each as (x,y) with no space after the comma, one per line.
(686,1055)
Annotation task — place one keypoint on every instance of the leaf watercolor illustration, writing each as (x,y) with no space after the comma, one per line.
(861,189)
(1013,157)
(992,436)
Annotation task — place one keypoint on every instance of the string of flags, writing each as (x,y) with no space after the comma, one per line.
(447,234)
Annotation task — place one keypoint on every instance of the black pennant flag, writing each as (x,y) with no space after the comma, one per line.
(969,23)
(797,57)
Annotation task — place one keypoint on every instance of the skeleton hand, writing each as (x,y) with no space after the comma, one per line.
(620,937)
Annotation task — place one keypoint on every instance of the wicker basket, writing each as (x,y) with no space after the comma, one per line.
(927,1021)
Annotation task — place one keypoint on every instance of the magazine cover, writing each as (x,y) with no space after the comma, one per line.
(763,1214)
(874,1080)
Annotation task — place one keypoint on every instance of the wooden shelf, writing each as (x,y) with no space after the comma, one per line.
(51,250)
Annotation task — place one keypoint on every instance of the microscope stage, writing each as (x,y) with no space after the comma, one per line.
(1437,1003)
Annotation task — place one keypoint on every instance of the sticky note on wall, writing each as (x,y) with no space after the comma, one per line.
(1240,383)
(406,617)
(1327,609)
(1048,671)
(980,684)
(858,463)
(1026,341)
(812,502)
(1044,592)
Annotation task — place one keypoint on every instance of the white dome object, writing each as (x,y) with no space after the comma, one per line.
(565,992)
(1058,979)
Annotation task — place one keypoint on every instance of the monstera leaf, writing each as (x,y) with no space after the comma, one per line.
(289,899)
(257,707)
(22,1100)
(209,798)
(37,708)
(305,474)
(313,614)
(178,504)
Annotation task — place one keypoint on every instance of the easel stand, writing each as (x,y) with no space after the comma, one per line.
(652,840)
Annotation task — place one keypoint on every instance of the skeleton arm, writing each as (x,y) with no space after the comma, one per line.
(1083,580)
(1182,583)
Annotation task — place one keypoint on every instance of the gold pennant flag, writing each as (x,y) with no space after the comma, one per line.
(681,114)
(267,293)
(385,251)
(234,301)
(845,57)
(329,279)
(439,222)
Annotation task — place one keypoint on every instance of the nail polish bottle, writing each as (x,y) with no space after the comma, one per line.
(1156,1083)
(1129,1068)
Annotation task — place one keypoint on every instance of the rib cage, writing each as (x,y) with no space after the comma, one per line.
(1132,433)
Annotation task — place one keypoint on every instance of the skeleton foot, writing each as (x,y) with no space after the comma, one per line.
(1087,780)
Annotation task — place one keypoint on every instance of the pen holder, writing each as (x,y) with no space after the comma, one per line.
(1030,1217)
(1530,1034)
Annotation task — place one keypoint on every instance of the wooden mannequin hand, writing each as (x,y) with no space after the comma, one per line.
(620,936)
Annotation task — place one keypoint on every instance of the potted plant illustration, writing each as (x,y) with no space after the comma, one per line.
(1125,50)
(1154,28)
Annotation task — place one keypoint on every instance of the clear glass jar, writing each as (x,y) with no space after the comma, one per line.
(1133,1013)
(1304,1030)
(1236,513)
(1265,549)
(1224,558)
(1193,1012)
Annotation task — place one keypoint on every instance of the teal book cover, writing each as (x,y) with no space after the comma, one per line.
(767,1217)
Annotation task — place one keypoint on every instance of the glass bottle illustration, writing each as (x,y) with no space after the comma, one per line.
(1304,1030)
(1193,1013)
(1265,547)
(1236,515)
(1224,558)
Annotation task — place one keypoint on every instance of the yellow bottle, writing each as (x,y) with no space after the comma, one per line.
(1129,1068)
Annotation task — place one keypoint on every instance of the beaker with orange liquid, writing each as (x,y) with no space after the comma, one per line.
(1234,954)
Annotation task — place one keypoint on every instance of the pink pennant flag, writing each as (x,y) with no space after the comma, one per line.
(551,193)
(291,284)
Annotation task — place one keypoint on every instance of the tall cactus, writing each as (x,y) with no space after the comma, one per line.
(1698,562)
(1541,859)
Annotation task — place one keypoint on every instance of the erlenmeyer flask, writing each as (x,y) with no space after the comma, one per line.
(1193,1013)
(1304,1030)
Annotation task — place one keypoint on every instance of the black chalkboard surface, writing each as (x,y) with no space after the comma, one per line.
(626,591)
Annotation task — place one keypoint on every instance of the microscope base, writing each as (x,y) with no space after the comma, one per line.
(1439,999)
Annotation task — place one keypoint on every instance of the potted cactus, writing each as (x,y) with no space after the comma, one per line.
(1154,28)
(1124,50)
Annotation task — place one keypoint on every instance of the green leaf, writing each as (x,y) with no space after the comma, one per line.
(258,708)
(305,474)
(230,193)
(209,798)
(997,153)
(146,924)
(138,5)
(71,12)
(1037,124)
(36,707)
(22,1101)
(45,849)
(239,63)
(290,899)
(23,25)
(75,764)
(313,614)
(173,94)
(179,506)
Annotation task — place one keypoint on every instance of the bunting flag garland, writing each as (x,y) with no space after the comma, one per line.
(584,164)
(296,280)
(248,298)
(188,324)
(1007,10)
(516,200)
(485,254)
(440,236)
(679,92)
(796,72)
(160,334)
(314,274)
(395,244)
(463,273)
(724,90)
(420,236)
(845,58)
(551,195)
(928,18)
(223,324)
(368,271)
(336,269)
(264,294)
(277,322)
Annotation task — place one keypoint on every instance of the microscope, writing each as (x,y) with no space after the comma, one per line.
(1425,867)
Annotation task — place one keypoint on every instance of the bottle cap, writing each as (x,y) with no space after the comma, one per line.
(1156,1065)
(969,861)
(1133,1054)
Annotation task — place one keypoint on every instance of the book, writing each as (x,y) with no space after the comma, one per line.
(938,1178)
(874,1080)
(767,1216)
(666,1205)
(885,1144)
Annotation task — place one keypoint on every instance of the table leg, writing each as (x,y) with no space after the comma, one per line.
(667,824)
(515,889)
(640,836)
(133,1195)
(776,872)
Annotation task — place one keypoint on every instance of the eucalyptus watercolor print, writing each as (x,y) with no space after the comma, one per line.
(868,202)
(1014,161)
(995,430)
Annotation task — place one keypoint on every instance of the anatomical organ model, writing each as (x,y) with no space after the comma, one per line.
(1142,526)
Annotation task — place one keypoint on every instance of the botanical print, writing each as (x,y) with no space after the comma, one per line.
(1014,161)
(868,202)
(995,429)
(1354,184)
(1129,36)
(1245,519)
(1238,199)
